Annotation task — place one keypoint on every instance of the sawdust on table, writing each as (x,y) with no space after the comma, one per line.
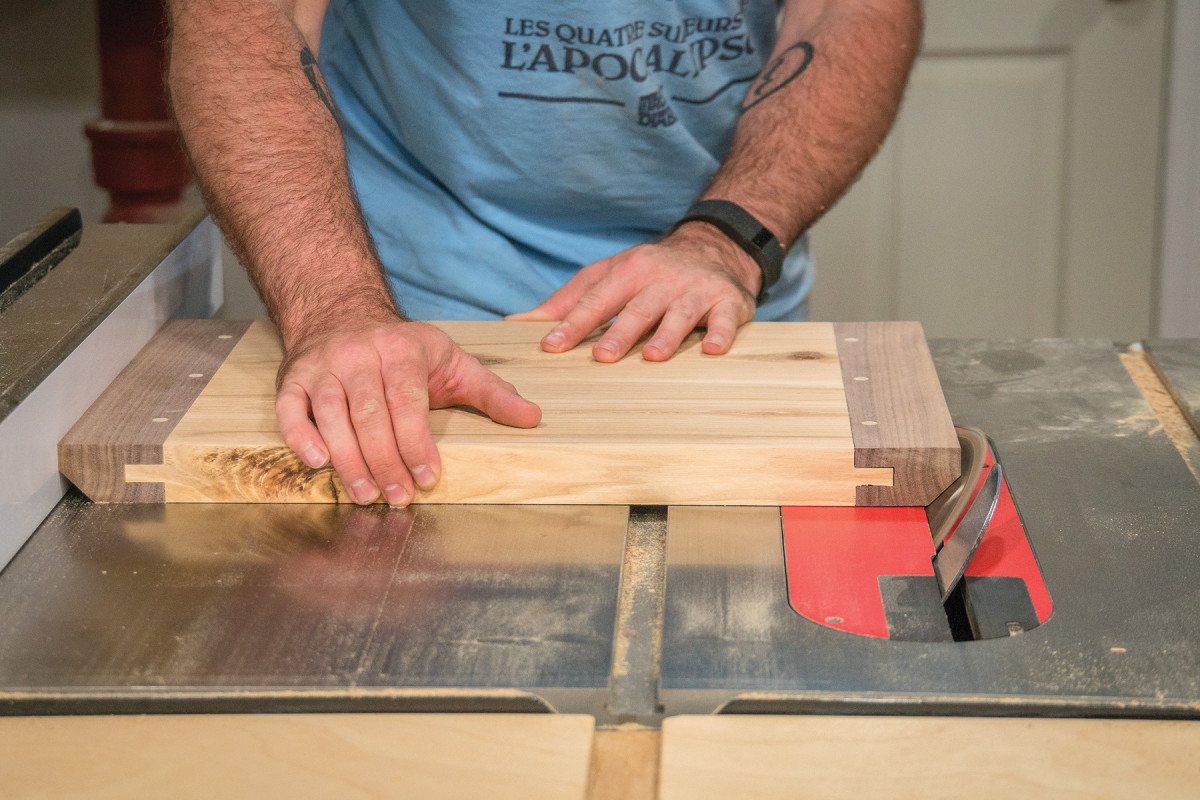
(1163,405)
(642,571)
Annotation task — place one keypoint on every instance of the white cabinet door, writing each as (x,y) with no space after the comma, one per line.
(1018,193)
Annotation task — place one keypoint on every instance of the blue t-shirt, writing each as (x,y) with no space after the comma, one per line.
(496,148)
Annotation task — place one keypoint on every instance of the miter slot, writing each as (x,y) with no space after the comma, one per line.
(637,638)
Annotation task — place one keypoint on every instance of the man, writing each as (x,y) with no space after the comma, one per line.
(498,148)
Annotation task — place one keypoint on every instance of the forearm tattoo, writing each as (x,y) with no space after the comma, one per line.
(309,62)
(779,73)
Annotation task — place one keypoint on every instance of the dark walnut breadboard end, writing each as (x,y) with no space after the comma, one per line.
(798,413)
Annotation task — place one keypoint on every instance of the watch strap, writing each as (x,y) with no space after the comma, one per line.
(744,229)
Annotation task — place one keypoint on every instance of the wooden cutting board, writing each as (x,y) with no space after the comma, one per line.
(796,414)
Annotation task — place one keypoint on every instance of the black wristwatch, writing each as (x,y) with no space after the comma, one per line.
(746,232)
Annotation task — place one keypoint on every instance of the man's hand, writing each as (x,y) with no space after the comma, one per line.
(369,388)
(694,277)
(263,137)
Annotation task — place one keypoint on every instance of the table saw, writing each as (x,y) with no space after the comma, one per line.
(1076,603)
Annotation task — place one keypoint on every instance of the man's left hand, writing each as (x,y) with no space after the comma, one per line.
(693,277)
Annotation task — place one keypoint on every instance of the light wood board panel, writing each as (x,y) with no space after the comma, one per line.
(297,756)
(767,424)
(854,757)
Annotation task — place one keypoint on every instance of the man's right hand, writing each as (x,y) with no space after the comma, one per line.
(261,132)
(369,388)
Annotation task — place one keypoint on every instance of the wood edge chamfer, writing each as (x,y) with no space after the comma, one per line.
(132,418)
(897,411)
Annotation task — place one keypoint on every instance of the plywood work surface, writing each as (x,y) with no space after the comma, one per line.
(296,756)
(766,424)
(853,757)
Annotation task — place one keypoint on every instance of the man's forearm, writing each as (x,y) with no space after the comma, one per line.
(260,129)
(819,110)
